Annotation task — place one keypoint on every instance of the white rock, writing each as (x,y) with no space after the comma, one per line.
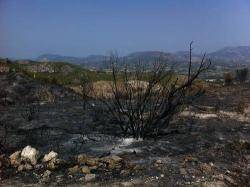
(129,141)
(30,154)
(28,167)
(50,156)
(89,177)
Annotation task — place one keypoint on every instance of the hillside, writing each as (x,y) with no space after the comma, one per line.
(57,72)
(233,54)
(226,56)
(91,61)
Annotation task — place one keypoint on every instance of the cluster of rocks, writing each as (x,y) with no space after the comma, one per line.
(92,165)
(25,159)
(28,159)
(84,167)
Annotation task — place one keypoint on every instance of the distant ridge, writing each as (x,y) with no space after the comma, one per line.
(240,54)
(235,54)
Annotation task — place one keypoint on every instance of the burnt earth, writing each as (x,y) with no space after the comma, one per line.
(196,150)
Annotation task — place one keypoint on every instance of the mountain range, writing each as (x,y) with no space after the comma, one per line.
(225,56)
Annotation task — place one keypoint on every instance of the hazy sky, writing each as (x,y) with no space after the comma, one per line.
(29,28)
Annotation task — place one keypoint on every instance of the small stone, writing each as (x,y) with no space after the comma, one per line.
(30,154)
(47,173)
(112,162)
(219,177)
(162,175)
(116,158)
(15,158)
(82,159)
(74,169)
(206,168)
(24,167)
(46,176)
(51,165)
(85,170)
(230,180)
(125,172)
(59,178)
(190,158)
(55,164)
(92,162)
(20,168)
(89,177)
(28,167)
(183,171)
(227,172)
(158,162)
(50,156)
(82,179)
(211,164)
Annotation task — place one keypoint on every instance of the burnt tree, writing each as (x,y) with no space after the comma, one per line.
(143,101)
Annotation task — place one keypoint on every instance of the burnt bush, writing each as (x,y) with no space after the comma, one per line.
(228,79)
(144,101)
(242,75)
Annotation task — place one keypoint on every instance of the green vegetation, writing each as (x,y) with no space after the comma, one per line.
(70,75)
(59,72)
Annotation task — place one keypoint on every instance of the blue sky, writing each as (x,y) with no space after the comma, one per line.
(29,28)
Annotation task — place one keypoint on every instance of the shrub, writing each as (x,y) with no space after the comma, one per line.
(85,89)
(143,102)
(242,75)
(228,78)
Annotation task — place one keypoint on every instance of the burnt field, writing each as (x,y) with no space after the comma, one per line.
(117,93)
(71,141)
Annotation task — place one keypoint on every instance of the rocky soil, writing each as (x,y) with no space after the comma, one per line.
(61,142)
